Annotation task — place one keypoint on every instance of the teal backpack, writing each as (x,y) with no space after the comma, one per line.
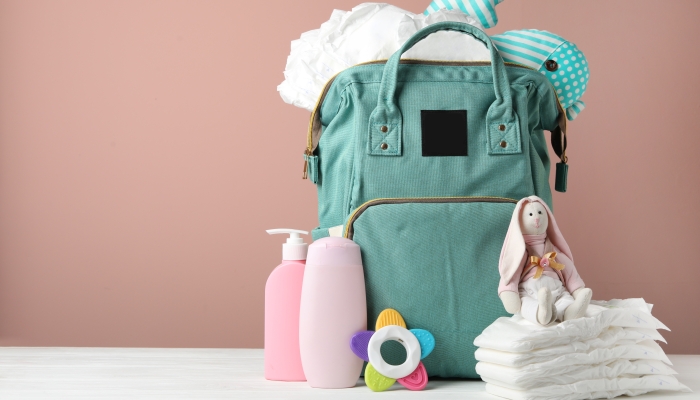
(421,164)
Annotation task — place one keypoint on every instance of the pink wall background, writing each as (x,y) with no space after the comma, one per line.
(144,149)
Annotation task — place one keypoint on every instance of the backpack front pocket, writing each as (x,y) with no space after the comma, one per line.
(435,260)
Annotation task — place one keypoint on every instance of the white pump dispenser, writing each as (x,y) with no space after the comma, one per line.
(295,248)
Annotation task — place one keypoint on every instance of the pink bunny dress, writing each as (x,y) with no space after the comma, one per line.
(517,275)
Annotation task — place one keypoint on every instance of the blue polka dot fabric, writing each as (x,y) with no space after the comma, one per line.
(571,78)
(557,59)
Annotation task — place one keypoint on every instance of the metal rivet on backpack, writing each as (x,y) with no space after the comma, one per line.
(384,129)
(504,143)
(501,127)
(384,146)
(551,65)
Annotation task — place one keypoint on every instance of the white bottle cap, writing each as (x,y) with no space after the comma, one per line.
(295,248)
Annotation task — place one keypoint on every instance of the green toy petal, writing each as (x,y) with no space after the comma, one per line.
(376,381)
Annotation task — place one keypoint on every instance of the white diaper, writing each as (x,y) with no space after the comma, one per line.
(609,352)
(371,31)
(528,295)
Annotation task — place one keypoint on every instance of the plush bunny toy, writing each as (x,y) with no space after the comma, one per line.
(538,276)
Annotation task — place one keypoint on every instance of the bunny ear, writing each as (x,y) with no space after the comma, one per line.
(553,232)
(574,110)
(513,246)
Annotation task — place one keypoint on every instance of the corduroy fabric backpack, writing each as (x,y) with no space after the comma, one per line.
(421,164)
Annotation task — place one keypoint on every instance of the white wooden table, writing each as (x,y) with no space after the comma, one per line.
(119,373)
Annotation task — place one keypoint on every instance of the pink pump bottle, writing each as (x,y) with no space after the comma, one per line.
(282,301)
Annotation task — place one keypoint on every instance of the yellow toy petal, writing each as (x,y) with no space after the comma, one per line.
(389,317)
(376,381)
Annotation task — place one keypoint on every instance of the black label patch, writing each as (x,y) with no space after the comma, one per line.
(444,132)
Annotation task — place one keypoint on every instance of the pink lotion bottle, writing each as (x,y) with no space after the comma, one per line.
(333,309)
(282,301)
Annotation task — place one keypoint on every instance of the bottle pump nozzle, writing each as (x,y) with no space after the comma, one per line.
(295,248)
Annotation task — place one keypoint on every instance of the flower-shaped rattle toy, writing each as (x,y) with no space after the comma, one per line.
(380,375)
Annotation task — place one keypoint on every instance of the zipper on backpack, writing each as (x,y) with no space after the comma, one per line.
(403,200)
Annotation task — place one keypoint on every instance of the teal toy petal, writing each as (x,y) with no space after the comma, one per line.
(426,340)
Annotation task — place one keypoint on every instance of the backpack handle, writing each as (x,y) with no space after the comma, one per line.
(386,122)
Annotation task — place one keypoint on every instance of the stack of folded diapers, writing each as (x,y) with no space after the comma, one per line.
(610,352)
